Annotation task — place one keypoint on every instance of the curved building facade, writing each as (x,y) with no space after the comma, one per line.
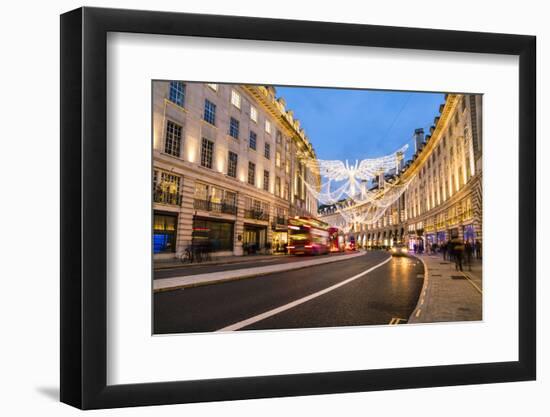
(444,199)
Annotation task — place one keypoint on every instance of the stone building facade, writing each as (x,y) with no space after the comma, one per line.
(225,168)
(444,198)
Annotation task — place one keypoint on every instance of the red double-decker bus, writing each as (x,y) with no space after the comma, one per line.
(308,236)
(336,240)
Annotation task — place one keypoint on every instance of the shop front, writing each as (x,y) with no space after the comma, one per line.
(430,239)
(453,233)
(390,238)
(164,232)
(396,237)
(215,234)
(469,233)
(279,240)
(441,237)
(254,238)
(417,241)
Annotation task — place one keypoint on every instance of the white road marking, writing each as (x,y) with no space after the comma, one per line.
(259,317)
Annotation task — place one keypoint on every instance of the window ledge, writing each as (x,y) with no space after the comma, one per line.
(177,106)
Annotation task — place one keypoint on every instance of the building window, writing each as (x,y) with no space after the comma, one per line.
(209,112)
(166,188)
(234,128)
(172,144)
(201,191)
(268,126)
(252,140)
(463,103)
(251,173)
(278,186)
(267,151)
(255,209)
(456,119)
(278,159)
(213,86)
(214,199)
(232,164)
(177,93)
(236,99)
(279,137)
(254,114)
(207,152)
(266,180)
(164,233)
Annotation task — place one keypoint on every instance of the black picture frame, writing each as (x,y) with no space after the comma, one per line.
(84,207)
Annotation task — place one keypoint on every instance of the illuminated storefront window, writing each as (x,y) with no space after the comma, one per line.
(217,234)
(164,232)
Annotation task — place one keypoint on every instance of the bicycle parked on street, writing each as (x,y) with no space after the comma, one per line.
(196,253)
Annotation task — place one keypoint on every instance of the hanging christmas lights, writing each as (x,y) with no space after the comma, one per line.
(346,187)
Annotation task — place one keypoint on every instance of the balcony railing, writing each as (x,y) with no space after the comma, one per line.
(165,197)
(281,220)
(256,214)
(278,223)
(222,207)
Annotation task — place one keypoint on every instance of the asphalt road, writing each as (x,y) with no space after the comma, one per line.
(388,292)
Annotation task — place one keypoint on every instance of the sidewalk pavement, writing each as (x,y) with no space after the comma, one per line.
(217,260)
(448,294)
(166,284)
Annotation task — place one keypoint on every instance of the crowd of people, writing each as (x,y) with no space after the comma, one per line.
(454,250)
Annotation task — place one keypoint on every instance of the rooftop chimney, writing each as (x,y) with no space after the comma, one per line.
(418,139)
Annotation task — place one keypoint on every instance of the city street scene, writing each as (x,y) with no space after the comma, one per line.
(281,207)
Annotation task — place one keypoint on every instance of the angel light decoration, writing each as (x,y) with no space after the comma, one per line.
(346,186)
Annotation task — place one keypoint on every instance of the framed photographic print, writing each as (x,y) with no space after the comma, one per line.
(257,208)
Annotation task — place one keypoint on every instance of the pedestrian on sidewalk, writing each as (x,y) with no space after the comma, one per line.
(478,249)
(444,248)
(468,251)
(458,253)
(450,250)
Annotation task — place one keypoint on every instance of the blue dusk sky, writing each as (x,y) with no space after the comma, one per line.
(358,124)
